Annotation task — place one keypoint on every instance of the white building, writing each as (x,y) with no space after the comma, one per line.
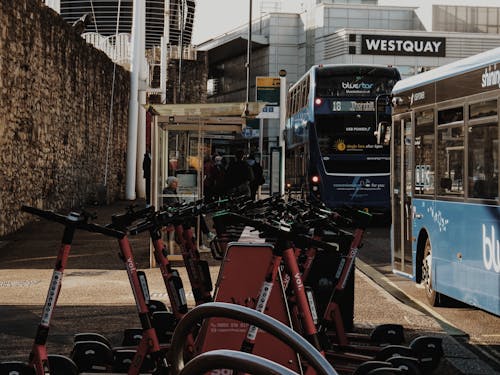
(348,31)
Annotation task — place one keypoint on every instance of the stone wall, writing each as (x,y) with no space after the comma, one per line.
(58,147)
(193,71)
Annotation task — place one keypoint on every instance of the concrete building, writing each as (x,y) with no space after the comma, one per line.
(344,32)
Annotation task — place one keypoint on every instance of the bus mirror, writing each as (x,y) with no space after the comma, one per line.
(387,137)
(383,133)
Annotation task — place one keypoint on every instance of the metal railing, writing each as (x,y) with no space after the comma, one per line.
(117,47)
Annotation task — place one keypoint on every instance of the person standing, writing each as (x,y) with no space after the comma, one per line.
(146,173)
(238,175)
(220,172)
(209,176)
(258,176)
(170,192)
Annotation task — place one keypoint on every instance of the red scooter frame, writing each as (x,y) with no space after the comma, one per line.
(148,344)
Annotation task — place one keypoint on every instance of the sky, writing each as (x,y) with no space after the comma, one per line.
(215,17)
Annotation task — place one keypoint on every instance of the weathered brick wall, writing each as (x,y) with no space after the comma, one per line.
(55,102)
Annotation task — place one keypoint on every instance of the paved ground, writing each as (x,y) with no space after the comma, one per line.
(96,295)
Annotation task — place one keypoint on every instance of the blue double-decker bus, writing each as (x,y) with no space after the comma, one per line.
(331,150)
(445,202)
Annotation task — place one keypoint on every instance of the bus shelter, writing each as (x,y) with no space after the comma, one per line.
(181,139)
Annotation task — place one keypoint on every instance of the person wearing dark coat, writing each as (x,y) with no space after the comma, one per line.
(146,169)
(238,176)
(258,176)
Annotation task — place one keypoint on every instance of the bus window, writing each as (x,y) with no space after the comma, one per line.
(483,161)
(424,152)
(450,115)
(450,158)
(483,109)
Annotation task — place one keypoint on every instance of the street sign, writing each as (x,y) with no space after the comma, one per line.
(270,111)
(268,90)
(252,129)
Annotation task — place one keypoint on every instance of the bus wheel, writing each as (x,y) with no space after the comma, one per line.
(431,294)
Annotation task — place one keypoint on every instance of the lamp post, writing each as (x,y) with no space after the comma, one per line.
(283,95)
(249,52)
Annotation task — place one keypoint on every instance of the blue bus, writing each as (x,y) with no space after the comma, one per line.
(331,152)
(445,202)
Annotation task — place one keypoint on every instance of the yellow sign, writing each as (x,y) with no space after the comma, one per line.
(267,82)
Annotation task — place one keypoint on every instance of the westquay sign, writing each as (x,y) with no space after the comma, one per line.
(403,45)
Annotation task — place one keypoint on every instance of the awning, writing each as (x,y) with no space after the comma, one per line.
(216,117)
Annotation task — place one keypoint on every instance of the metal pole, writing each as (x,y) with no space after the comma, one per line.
(164,52)
(141,145)
(163,69)
(141,112)
(261,151)
(283,94)
(181,45)
(137,23)
(249,52)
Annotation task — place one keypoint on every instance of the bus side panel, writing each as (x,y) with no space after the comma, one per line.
(465,241)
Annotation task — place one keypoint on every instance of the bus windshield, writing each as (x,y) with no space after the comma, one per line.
(350,137)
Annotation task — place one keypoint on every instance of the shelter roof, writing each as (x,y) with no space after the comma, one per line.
(216,117)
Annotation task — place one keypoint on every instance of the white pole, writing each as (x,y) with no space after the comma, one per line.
(141,146)
(137,24)
(249,52)
(283,92)
(163,70)
(164,52)
(141,127)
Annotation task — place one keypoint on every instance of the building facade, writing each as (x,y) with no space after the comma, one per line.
(343,32)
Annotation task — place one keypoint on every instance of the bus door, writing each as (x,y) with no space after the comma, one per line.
(402,181)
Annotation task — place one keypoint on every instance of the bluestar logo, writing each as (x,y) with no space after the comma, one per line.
(357,86)
(491,250)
